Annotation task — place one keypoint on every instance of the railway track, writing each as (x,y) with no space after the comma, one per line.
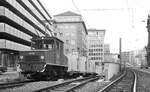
(14,84)
(125,83)
(69,86)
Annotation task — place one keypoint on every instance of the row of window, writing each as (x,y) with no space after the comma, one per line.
(100,45)
(67,27)
(13,45)
(18,20)
(27,14)
(95,54)
(66,34)
(67,50)
(91,50)
(73,50)
(96,58)
(71,42)
(15,32)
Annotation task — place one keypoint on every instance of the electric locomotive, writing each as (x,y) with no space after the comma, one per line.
(45,60)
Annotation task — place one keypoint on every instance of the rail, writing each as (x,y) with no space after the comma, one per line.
(14,84)
(81,84)
(110,86)
(135,82)
(57,86)
(106,88)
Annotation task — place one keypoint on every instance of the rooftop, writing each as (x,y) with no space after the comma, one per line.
(68,13)
(96,30)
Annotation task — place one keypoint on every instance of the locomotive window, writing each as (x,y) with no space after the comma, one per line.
(50,46)
(44,45)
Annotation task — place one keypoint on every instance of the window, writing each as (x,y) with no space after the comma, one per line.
(72,50)
(67,51)
(50,46)
(61,34)
(55,34)
(67,34)
(73,42)
(67,41)
(72,34)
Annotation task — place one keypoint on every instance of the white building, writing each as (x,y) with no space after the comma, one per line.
(138,57)
(96,48)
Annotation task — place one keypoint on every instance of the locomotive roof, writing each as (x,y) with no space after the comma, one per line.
(47,38)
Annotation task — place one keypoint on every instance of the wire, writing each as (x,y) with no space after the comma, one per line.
(111,9)
(75,6)
(80,12)
(132,14)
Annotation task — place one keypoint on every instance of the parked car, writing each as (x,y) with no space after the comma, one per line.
(3,68)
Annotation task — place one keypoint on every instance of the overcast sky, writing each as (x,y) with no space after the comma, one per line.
(120,18)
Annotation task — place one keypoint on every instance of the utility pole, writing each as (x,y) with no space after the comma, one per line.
(120,54)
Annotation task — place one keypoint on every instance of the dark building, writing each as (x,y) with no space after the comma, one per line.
(20,20)
(148,45)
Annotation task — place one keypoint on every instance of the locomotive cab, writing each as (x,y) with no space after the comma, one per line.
(48,43)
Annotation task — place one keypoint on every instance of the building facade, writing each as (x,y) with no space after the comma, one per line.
(148,45)
(125,57)
(71,29)
(107,53)
(138,57)
(20,20)
(135,57)
(96,47)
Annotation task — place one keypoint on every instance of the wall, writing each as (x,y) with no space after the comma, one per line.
(110,69)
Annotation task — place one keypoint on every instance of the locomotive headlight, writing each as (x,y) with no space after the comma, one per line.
(21,57)
(42,57)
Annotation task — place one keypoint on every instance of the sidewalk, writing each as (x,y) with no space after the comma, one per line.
(8,76)
(9,72)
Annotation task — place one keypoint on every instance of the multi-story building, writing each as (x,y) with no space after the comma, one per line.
(20,20)
(125,57)
(106,53)
(71,29)
(138,57)
(96,47)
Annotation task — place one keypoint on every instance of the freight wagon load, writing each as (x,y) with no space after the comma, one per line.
(72,62)
(82,64)
(78,65)
(91,66)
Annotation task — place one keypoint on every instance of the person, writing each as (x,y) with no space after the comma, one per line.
(18,70)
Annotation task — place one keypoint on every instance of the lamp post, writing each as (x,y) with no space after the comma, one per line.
(120,54)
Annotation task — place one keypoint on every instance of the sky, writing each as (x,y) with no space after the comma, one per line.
(126,19)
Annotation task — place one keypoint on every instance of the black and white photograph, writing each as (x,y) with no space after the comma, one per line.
(74,45)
